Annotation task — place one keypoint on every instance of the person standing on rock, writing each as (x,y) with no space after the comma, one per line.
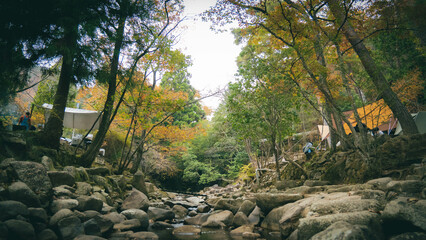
(25,120)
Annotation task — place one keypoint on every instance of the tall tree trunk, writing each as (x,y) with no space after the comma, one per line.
(89,156)
(379,80)
(54,126)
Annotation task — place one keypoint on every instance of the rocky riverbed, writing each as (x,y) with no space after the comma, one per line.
(40,202)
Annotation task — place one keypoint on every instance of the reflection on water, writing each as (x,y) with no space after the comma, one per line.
(209,234)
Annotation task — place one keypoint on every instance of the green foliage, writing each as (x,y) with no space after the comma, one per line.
(198,172)
(246,173)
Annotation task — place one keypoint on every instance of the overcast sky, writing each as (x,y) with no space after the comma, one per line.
(213,54)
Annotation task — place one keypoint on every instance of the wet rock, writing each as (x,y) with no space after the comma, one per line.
(203,208)
(186,230)
(344,230)
(268,201)
(70,227)
(192,213)
(132,224)
(83,188)
(161,225)
(59,178)
(47,234)
(37,215)
(116,217)
(180,212)
(310,226)
(136,200)
(255,215)
(159,214)
(20,192)
(241,230)
(61,214)
(228,204)
(10,209)
(89,203)
(144,236)
(91,227)
(240,219)
(59,204)
(247,207)
(139,215)
(20,230)
(197,220)
(224,217)
(403,209)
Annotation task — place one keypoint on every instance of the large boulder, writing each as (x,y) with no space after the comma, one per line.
(10,209)
(116,217)
(19,191)
(136,200)
(255,215)
(401,209)
(242,229)
(406,186)
(344,230)
(180,211)
(347,204)
(91,227)
(20,230)
(83,188)
(224,217)
(48,163)
(59,204)
(228,204)
(70,227)
(269,201)
(139,215)
(310,226)
(138,182)
(240,219)
(199,219)
(37,215)
(160,214)
(58,216)
(89,203)
(59,178)
(35,176)
(247,207)
(132,224)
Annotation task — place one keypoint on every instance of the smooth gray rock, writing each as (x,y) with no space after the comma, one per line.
(20,192)
(242,229)
(83,188)
(240,219)
(310,226)
(255,215)
(144,236)
(138,182)
(380,183)
(63,191)
(203,208)
(247,207)
(139,215)
(159,214)
(197,220)
(402,209)
(224,217)
(104,223)
(132,224)
(349,204)
(343,230)
(136,200)
(10,209)
(229,204)
(192,213)
(180,211)
(269,201)
(91,227)
(70,227)
(20,230)
(61,214)
(288,213)
(115,217)
(89,203)
(59,204)
(47,234)
(38,215)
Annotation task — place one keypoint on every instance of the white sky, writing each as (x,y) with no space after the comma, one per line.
(213,54)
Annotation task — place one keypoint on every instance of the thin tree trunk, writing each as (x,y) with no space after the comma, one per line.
(54,127)
(383,87)
(89,156)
